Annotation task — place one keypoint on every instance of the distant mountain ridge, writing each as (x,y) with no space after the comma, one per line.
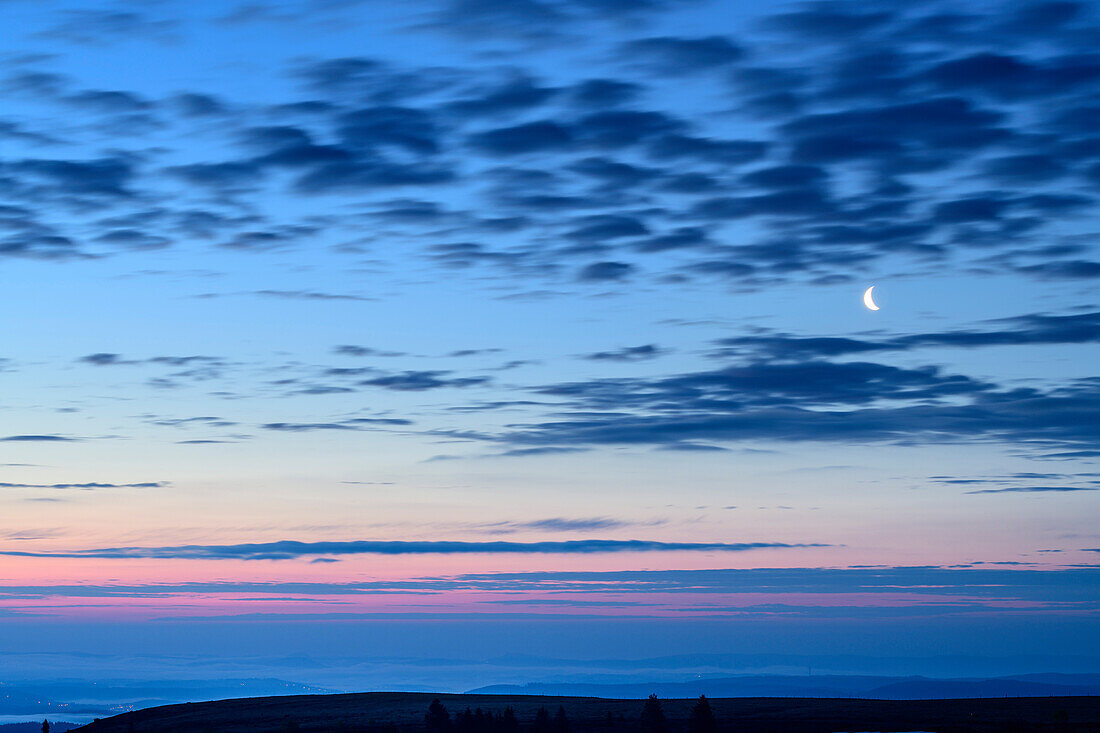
(725,664)
(36,727)
(106,696)
(866,686)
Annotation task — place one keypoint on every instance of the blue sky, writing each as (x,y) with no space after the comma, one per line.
(342,311)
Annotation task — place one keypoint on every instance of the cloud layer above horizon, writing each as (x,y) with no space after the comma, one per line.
(531,295)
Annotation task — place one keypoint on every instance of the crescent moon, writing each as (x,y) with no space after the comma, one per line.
(868,299)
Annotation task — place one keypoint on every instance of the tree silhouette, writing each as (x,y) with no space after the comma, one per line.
(438,720)
(702,718)
(508,722)
(45,726)
(653,718)
(561,721)
(542,722)
(464,722)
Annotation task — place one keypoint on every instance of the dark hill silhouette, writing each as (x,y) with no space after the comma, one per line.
(394,712)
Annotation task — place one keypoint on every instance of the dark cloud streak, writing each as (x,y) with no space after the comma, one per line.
(288,549)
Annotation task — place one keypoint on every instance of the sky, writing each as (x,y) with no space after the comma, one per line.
(536,326)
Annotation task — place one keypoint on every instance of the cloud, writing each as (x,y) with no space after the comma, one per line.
(1038,489)
(104,359)
(517,94)
(693,447)
(628,353)
(359,423)
(616,129)
(37,439)
(959,155)
(708,150)
(805,384)
(603,272)
(196,366)
(929,127)
(406,381)
(407,128)
(197,104)
(132,239)
(292,427)
(419,381)
(103,177)
(221,176)
(340,73)
(336,177)
(544,451)
(680,56)
(1069,455)
(1068,270)
(523,17)
(288,549)
(538,19)
(24,535)
(604,227)
(105,27)
(876,592)
(88,486)
(614,173)
(604,92)
(1071,586)
(207,421)
(830,21)
(310,295)
(1026,330)
(101,100)
(268,240)
(1005,76)
(1020,481)
(563,524)
(808,401)
(348,350)
(529,137)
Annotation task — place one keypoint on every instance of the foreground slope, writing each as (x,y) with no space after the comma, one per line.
(396,712)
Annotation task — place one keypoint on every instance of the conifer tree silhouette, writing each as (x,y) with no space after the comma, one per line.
(702,718)
(464,722)
(508,721)
(653,718)
(438,720)
(542,722)
(561,721)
